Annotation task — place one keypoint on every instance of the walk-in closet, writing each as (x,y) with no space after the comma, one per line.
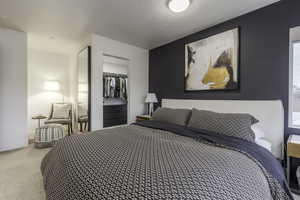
(115,91)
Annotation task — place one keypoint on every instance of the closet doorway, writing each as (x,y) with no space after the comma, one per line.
(115,90)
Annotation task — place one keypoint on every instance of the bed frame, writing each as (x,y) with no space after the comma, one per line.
(269,113)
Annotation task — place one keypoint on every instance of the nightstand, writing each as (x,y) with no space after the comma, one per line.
(140,118)
(293,150)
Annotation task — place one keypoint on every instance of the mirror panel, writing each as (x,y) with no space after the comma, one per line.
(83,97)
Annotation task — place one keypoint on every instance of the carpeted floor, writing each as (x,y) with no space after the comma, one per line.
(20,176)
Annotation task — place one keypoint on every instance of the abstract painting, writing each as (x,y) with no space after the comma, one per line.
(212,63)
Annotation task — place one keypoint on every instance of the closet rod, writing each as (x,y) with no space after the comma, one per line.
(114,74)
(118,57)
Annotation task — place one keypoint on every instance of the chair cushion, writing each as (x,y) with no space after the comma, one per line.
(58,121)
(83,119)
(61,111)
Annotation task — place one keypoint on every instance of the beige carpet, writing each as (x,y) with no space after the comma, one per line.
(20,176)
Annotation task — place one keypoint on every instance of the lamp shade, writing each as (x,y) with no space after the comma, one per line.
(151,98)
(51,86)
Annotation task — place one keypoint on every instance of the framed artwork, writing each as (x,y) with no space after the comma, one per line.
(213,63)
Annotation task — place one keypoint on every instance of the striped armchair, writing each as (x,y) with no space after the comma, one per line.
(82,116)
(61,113)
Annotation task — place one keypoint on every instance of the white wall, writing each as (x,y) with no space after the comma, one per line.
(46,66)
(13,89)
(137,73)
(115,68)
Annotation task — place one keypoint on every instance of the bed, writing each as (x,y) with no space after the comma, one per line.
(159,160)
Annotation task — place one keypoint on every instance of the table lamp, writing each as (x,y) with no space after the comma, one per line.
(151,99)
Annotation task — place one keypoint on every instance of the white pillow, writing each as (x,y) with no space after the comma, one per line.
(264,143)
(259,133)
(82,111)
(61,111)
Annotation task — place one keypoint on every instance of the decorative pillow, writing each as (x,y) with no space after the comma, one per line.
(61,111)
(82,111)
(175,116)
(231,124)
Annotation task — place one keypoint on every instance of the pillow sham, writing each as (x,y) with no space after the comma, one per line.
(231,124)
(258,132)
(175,116)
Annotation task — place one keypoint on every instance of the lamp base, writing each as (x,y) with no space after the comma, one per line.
(150,109)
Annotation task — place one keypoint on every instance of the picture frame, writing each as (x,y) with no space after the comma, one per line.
(213,63)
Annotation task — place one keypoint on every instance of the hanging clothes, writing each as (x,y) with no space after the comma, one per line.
(123,88)
(112,87)
(107,86)
(115,86)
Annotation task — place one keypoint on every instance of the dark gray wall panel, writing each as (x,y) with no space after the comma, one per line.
(264,57)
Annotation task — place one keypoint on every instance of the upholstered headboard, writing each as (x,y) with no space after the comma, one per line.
(269,113)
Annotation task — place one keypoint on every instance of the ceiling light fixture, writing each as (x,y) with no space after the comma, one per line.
(178,5)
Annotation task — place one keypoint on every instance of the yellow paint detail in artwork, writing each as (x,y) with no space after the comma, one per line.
(216,77)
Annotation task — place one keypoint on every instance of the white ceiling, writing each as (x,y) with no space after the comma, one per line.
(144,23)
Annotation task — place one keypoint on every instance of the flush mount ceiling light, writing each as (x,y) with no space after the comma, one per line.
(178,5)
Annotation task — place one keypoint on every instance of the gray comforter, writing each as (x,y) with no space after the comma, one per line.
(136,162)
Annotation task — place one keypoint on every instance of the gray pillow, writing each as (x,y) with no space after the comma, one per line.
(231,124)
(174,116)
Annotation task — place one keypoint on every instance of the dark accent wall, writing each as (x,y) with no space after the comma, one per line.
(264,58)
